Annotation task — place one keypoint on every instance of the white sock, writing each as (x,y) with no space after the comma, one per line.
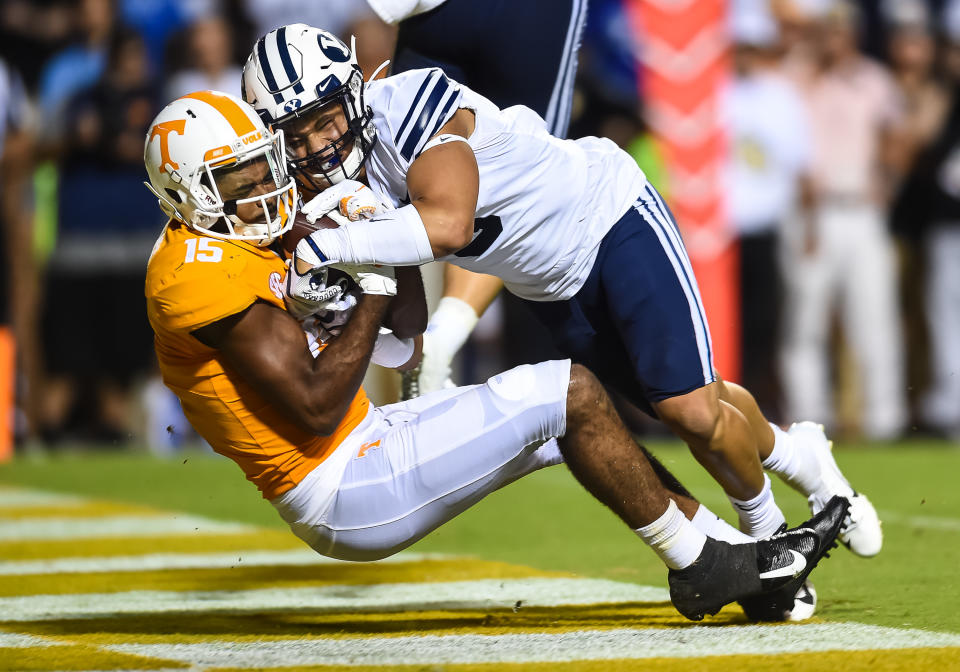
(451,324)
(759,517)
(793,463)
(673,538)
(716,527)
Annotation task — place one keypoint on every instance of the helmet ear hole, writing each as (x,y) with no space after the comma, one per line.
(174,195)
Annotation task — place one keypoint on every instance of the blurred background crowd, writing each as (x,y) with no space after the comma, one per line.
(842,180)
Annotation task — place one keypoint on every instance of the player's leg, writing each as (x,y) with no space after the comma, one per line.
(741,399)
(430,459)
(643,283)
(466,296)
(475,44)
(419,463)
(597,451)
(802,458)
(416,465)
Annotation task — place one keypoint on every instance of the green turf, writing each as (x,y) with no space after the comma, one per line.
(548,521)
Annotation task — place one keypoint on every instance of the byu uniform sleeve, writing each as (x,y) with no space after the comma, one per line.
(413,106)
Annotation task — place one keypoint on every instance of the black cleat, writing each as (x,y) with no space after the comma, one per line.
(725,573)
(781,605)
(722,574)
(785,560)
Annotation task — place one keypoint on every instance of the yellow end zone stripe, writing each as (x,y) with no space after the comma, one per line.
(294,626)
(251,578)
(80,510)
(946,660)
(263,539)
(79,658)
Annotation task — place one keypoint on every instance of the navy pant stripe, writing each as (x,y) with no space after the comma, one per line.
(665,213)
(674,228)
(689,289)
(561,100)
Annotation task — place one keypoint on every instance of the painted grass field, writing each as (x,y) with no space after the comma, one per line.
(127,562)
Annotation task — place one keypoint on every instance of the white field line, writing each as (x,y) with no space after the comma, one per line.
(20,497)
(941,523)
(689,642)
(46,529)
(385,597)
(164,561)
(13,640)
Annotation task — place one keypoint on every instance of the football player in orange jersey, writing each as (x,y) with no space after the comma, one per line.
(359,482)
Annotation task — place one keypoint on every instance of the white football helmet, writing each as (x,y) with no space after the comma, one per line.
(293,72)
(209,157)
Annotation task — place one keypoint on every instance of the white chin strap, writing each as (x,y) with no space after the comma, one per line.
(349,167)
(247,230)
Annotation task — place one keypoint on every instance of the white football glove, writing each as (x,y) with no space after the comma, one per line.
(332,321)
(308,293)
(372,278)
(347,200)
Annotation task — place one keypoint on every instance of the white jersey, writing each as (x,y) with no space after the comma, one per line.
(544,204)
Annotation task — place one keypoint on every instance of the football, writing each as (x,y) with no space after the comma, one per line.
(301,227)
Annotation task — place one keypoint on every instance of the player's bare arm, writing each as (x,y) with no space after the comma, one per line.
(444,183)
(266,346)
(406,316)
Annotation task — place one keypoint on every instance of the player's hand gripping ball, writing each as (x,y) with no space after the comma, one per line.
(318,290)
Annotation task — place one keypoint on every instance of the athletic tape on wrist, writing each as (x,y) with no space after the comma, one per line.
(394,238)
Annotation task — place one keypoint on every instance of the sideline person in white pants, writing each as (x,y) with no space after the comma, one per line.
(842,257)
(852,268)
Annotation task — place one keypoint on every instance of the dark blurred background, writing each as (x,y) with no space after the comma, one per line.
(842,185)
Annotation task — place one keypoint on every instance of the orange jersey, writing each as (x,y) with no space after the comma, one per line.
(192,281)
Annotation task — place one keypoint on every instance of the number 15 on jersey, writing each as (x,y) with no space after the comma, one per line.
(202,249)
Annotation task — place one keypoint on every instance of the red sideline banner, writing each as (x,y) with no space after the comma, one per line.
(7,374)
(684,66)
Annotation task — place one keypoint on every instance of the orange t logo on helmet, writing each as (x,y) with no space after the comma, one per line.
(164,130)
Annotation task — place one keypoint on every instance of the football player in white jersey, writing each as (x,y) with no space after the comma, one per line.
(472,43)
(359,482)
(571,226)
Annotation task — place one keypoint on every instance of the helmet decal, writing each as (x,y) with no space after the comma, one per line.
(292,73)
(230,110)
(277,64)
(333,48)
(163,130)
(328,85)
(225,174)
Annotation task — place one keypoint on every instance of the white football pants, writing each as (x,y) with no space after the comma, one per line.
(853,269)
(412,466)
(941,404)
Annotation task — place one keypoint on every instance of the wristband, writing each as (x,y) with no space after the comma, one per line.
(390,351)
(393,238)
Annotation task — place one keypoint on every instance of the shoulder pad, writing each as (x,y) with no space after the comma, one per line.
(415,105)
(186,295)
